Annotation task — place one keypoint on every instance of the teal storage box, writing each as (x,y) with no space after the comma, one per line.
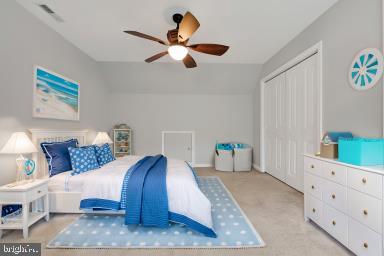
(361,151)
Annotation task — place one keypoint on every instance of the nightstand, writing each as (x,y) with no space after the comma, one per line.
(34,193)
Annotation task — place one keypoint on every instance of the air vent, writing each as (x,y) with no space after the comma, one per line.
(46,8)
(51,12)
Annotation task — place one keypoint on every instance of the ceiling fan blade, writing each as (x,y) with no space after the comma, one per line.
(214,49)
(189,24)
(156,56)
(189,62)
(135,33)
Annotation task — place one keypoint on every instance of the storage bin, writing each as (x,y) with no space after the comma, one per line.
(242,159)
(233,157)
(361,151)
(224,160)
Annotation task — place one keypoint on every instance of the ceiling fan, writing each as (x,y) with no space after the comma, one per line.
(178,39)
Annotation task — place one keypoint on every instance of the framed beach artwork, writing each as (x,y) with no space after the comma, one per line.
(55,96)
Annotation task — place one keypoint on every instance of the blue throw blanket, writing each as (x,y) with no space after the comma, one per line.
(146,193)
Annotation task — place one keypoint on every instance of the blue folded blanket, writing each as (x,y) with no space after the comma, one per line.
(335,136)
(146,193)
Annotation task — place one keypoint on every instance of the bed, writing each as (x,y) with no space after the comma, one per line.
(187,204)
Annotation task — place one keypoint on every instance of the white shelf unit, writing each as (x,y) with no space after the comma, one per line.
(122,142)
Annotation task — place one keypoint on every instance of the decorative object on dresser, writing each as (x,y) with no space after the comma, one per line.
(19,143)
(329,145)
(55,96)
(361,151)
(122,140)
(35,193)
(346,201)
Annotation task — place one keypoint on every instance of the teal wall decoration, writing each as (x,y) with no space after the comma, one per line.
(366,69)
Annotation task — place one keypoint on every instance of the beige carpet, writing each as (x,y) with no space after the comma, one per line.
(275,209)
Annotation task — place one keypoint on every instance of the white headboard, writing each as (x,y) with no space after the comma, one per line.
(41,135)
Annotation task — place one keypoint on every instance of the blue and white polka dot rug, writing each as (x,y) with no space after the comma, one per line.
(233,228)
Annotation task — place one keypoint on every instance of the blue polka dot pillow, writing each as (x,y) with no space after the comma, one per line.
(83,159)
(104,154)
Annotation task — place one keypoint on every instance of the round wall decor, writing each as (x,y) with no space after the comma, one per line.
(366,69)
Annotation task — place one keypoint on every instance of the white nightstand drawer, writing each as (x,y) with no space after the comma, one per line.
(313,185)
(336,223)
(37,192)
(334,172)
(335,195)
(365,209)
(366,182)
(314,209)
(362,240)
(312,166)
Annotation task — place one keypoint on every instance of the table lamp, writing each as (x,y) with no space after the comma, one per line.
(19,143)
(102,138)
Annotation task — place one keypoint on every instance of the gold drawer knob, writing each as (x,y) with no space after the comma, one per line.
(333,173)
(313,187)
(364,180)
(365,212)
(365,245)
(333,196)
(334,223)
(313,210)
(312,166)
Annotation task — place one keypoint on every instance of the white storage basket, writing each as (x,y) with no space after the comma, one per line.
(242,159)
(224,160)
(238,159)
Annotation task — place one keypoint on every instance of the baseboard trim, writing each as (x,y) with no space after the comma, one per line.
(257,168)
(202,165)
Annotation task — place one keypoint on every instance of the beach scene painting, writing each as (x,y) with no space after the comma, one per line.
(55,96)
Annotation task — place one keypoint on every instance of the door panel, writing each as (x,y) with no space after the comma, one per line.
(274,127)
(291,111)
(178,145)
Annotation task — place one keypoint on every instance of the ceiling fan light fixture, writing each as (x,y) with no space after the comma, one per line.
(178,52)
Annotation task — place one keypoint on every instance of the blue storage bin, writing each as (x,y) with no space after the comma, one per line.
(361,151)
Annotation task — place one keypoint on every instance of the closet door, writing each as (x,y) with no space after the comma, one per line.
(275,127)
(291,121)
(302,117)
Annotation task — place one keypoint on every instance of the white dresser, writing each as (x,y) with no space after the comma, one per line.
(347,202)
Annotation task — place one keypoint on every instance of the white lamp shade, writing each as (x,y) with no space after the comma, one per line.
(102,138)
(19,143)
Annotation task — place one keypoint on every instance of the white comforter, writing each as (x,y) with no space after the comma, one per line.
(184,195)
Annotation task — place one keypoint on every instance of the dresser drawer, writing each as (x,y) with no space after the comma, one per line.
(362,240)
(312,166)
(37,192)
(336,224)
(334,172)
(335,195)
(314,209)
(313,185)
(366,182)
(365,209)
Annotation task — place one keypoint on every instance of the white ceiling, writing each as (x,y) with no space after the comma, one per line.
(254,29)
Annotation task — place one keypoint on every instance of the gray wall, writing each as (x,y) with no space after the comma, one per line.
(26,41)
(214,100)
(345,29)
(212,117)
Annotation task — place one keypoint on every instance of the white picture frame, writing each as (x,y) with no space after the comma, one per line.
(55,96)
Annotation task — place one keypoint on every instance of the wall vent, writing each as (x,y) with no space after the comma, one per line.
(48,10)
